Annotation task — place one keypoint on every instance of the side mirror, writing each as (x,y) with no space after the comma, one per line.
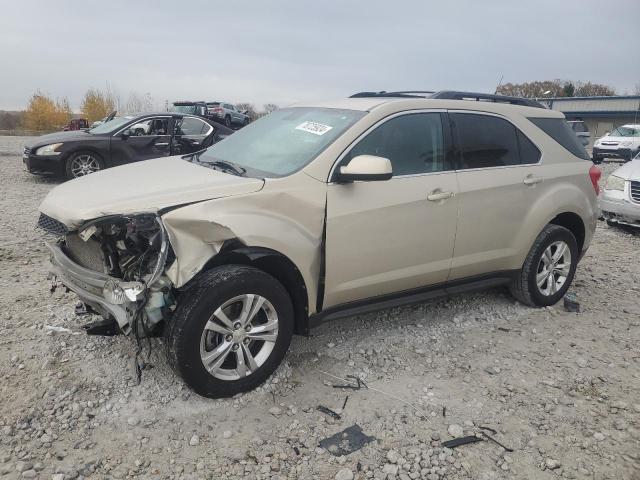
(365,168)
(125,134)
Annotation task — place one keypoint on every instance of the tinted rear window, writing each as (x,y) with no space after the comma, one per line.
(561,132)
(486,141)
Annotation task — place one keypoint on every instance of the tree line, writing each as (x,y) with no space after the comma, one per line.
(557,88)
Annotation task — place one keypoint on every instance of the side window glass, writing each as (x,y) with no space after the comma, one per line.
(150,126)
(191,126)
(413,143)
(485,141)
(529,153)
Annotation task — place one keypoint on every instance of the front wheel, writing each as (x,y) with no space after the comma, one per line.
(80,164)
(227,121)
(230,331)
(548,269)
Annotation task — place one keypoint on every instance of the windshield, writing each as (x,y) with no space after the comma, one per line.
(111,125)
(283,141)
(184,109)
(625,132)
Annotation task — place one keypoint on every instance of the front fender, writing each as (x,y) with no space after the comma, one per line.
(287,216)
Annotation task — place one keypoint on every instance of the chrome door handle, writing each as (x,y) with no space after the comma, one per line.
(531,180)
(438,195)
(161,144)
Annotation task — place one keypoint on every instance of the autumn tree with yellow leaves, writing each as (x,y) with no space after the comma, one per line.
(43,113)
(97,104)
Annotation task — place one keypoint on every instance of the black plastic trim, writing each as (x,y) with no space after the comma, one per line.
(413,296)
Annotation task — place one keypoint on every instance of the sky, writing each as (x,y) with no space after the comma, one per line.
(284,51)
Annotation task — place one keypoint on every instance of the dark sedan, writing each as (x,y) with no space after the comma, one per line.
(122,140)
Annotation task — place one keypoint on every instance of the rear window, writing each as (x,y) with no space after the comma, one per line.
(561,132)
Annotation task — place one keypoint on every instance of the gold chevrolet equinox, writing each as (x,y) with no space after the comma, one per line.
(321,211)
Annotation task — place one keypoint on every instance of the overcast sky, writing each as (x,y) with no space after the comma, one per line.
(294,50)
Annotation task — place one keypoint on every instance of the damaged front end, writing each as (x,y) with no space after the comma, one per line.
(116,265)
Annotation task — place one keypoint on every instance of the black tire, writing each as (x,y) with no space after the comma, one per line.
(597,160)
(227,121)
(211,290)
(69,163)
(525,288)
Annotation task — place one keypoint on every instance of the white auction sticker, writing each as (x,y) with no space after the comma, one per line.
(313,127)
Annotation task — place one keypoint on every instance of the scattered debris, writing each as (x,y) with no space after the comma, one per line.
(103,327)
(328,411)
(494,432)
(456,442)
(571,303)
(359,383)
(54,328)
(347,441)
(345,402)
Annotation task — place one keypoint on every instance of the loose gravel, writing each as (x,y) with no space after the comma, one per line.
(560,389)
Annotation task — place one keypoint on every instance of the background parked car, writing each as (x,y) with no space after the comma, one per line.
(76,124)
(121,140)
(191,108)
(109,117)
(623,142)
(581,130)
(228,114)
(620,200)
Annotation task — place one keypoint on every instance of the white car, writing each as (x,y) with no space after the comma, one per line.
(623,142)
(620,201)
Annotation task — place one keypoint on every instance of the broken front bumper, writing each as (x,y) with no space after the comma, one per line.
(90,285)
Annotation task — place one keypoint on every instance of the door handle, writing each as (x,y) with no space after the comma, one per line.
(531,180)
(161,144)
(438,195)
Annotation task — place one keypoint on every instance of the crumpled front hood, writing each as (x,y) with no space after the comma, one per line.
(141,187)
(629,171)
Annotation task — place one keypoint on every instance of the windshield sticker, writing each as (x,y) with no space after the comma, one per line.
(313,127)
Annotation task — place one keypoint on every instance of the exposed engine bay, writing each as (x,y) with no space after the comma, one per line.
(128,254)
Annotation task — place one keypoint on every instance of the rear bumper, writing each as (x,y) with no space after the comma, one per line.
(88,285)
(43,164)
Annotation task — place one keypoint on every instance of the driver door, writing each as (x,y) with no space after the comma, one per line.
(385,237)
(142,140)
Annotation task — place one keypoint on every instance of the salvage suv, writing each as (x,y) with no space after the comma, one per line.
(321,211)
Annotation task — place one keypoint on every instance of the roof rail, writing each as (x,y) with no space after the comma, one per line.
(486,97)
(452,95)
(404,94)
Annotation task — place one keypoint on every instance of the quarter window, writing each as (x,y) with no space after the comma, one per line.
(192,126)
(529,153)
(486,141)
(414,144)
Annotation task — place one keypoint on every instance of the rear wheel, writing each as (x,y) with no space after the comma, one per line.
(548,269)
(80,164)
(230,331)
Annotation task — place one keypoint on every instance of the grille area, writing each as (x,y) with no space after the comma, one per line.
(635,191)
(51,225)
(88,254)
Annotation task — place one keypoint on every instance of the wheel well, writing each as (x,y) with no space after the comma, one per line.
(574,224)
(278,266)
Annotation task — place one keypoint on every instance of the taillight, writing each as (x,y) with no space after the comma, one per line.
(594,174)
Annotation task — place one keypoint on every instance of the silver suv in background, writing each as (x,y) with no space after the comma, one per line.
(228,114)
(620,200)
(321,211)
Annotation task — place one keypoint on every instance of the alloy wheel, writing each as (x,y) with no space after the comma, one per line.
(84,164)
(553,268)
(239,337)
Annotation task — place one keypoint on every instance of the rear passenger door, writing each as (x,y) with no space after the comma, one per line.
(499,176)
(391,236)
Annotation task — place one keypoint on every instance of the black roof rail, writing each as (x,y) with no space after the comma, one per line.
(486,97)
(452,95)
(404,94)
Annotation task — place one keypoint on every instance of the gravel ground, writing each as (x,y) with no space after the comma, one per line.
(561,389)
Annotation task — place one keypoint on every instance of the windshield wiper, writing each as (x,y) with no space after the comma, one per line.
(226,167)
